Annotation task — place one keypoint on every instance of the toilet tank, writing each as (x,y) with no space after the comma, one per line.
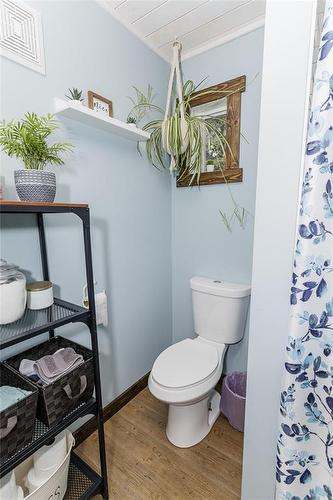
(219,309)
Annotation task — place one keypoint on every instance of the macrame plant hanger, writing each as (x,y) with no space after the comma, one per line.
(175,75)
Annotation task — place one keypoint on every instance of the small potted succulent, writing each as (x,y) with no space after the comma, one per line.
(27,141)
(131,121)
(75,95)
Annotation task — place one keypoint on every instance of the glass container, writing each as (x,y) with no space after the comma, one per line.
(13,295)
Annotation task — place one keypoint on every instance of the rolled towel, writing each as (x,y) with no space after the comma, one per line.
(27,368)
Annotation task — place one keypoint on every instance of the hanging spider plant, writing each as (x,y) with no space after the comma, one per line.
(167,140)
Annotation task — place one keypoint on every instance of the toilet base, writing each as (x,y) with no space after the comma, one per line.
(189,424)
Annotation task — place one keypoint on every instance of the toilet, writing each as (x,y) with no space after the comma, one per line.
(185,374)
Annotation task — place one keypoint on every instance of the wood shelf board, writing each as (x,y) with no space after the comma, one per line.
(210,178)
(11,203)
(87,116)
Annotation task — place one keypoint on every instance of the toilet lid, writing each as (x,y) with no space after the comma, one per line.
(185,363)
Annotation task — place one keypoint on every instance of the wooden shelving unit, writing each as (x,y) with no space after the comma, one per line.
(87,116)
(83,482)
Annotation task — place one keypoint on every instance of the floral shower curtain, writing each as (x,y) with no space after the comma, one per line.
(305,444)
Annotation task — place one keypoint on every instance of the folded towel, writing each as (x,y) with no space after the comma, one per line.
(11,395)
(52,366)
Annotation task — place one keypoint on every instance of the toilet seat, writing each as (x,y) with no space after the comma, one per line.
(185,364)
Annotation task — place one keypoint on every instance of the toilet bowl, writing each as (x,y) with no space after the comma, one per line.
(185,374)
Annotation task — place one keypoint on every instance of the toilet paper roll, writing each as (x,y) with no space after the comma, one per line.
(8,488)
(20,494)
(32,483)
(48,458)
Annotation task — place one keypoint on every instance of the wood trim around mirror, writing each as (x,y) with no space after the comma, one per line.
(232,173)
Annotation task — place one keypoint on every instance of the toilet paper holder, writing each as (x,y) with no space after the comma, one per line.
(85,300)
(100,305)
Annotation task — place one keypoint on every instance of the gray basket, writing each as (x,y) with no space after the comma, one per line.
(66,393)
(16,421)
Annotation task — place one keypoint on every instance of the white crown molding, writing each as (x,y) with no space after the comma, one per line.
(129,27)
(228,37)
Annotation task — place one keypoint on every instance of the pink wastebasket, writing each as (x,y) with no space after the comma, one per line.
(233,396)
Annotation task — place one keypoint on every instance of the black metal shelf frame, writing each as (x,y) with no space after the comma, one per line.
(83,482)
(40,321)
(43,435)
(97,483)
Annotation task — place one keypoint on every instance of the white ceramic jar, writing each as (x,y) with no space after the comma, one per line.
(13,295)
(40,295)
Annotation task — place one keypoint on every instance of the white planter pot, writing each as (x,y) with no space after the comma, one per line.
(76,103)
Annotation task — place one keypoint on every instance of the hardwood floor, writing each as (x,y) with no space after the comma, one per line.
(144,465)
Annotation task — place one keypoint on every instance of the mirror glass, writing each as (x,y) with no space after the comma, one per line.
(214,157)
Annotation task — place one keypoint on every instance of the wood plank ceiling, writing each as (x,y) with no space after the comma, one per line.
(198,24)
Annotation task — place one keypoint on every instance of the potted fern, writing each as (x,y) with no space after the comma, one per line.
(27,140)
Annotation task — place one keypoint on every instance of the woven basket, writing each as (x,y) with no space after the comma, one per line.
(66,393)
(16,421)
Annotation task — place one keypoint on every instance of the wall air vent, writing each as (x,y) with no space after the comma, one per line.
(21,35)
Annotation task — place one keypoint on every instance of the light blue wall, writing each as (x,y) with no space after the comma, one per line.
(130,201)
(201,244)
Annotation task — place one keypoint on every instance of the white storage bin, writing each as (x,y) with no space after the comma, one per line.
(55,487)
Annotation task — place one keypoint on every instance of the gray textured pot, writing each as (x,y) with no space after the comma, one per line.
(35,185)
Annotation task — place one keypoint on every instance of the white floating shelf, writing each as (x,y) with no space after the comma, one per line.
(81,113)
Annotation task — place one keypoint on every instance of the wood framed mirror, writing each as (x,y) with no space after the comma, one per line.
(224,100)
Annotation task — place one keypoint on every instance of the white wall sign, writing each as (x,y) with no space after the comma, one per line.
(21,35)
